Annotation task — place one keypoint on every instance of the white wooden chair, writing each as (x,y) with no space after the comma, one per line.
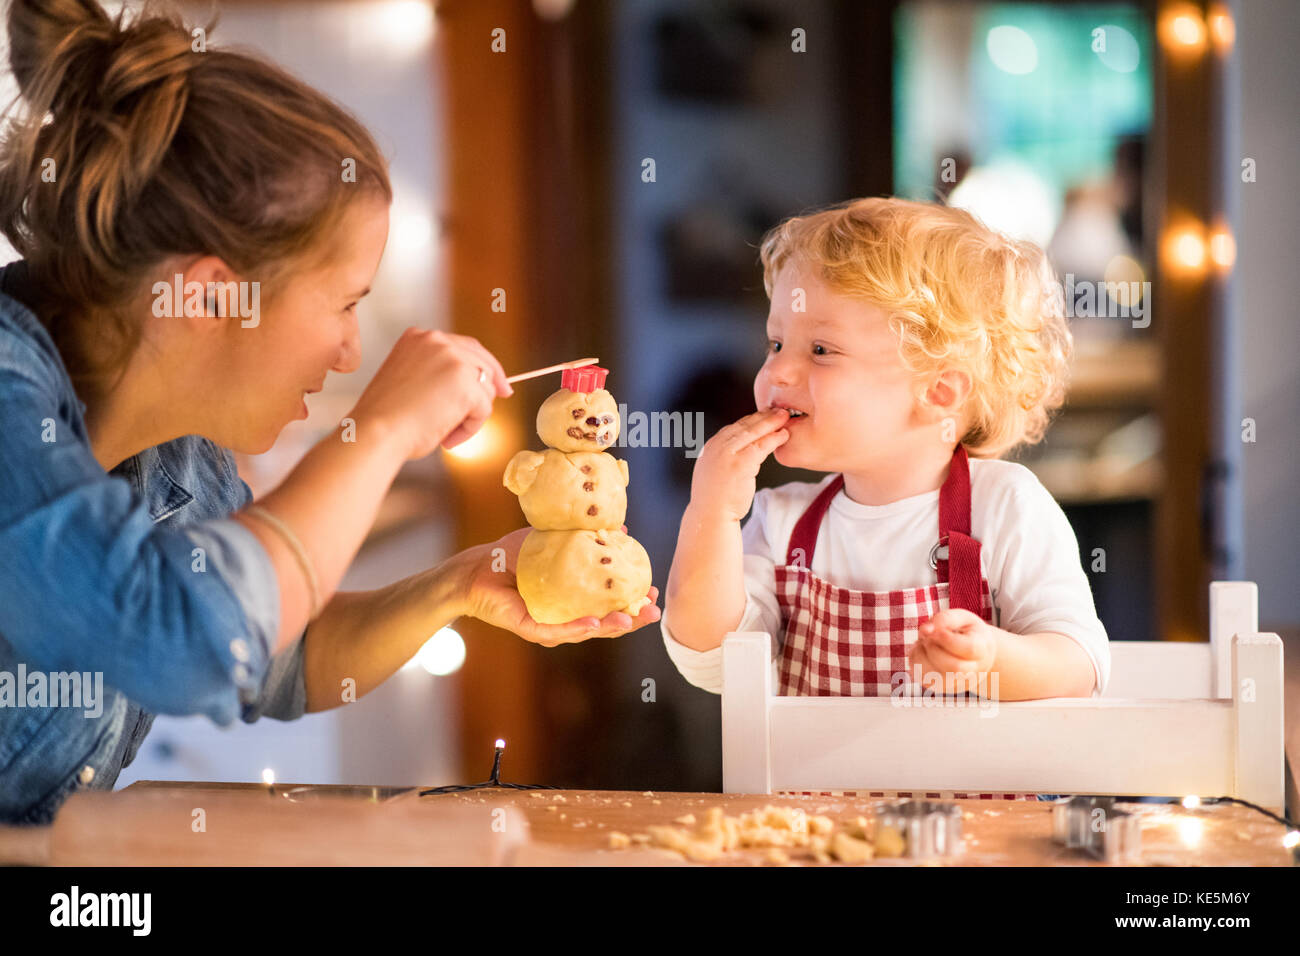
(1176,719)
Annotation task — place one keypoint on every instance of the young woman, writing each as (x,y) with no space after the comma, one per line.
(141,166)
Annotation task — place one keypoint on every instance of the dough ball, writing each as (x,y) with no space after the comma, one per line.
(565,575)
(577,421)
(565,492)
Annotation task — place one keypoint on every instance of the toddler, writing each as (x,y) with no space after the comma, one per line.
(908,347)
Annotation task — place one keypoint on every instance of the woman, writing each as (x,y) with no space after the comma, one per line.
(144,165)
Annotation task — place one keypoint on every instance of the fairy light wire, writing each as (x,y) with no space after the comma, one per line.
(494,781)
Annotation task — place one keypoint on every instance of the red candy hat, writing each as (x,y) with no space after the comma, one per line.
(585,380)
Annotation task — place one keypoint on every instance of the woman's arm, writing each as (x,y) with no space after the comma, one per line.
(330,501)
(367,635)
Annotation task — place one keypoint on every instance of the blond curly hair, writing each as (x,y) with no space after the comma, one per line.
(959,296)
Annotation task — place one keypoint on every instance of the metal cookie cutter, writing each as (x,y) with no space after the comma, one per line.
(1094,825)
(929,829)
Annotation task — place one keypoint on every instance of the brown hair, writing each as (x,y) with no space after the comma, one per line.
(160,147)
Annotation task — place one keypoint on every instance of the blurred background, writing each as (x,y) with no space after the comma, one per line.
(612,165)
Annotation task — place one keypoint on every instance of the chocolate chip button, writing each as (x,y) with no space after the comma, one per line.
(609,582)
(588,486)
(606,560)
(591,510)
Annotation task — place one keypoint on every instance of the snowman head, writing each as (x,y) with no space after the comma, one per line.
(581,416)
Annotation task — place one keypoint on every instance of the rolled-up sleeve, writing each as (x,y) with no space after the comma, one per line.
(181,620)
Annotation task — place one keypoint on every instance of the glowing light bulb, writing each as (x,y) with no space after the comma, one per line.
(1184,250)
(1182,30)
(1292,839)
(1223,248)
(483,444)
(1223,29)
(1190,830)
(1012,50)
(1192,802)
(442,654)
(268,776)
(501,744)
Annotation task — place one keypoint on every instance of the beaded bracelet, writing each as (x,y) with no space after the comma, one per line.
(296,547)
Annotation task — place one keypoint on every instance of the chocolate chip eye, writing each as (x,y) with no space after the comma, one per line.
(579,412)
(592,420)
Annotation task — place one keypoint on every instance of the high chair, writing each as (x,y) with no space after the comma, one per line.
(1176,719)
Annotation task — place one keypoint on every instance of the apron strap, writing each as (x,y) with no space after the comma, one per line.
(804,537)
(961,569)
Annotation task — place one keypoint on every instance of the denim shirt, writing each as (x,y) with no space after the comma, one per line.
(137,575)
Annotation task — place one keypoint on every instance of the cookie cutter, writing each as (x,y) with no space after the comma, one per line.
(1094,825)
(929,829)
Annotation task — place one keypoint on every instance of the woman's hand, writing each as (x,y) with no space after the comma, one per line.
(493,597)
(434,388)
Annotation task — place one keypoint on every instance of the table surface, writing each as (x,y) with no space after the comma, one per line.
(158,823)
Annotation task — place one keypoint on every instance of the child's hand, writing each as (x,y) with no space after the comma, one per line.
(724,479)
(958,647)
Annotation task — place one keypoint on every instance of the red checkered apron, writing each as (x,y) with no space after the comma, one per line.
(846,643)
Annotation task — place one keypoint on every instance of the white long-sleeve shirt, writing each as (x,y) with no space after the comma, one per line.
(1029,556)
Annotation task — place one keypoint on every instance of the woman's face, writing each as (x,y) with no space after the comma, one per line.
(267,369)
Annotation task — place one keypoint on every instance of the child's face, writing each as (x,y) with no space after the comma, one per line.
(837,361)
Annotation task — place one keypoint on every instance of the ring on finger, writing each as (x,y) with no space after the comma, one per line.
(482,376)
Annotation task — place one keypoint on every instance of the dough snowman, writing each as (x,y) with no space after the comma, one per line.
(564,492)
(565,575)
(576,562)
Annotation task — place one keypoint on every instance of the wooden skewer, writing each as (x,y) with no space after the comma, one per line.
(576,363)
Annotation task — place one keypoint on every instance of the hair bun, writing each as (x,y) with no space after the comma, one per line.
(67,53)
(46,33)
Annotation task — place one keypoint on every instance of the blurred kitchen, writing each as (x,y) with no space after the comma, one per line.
(607,168)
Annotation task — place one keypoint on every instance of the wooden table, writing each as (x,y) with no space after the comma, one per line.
(164,824)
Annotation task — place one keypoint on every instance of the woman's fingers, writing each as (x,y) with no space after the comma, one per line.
(486,361)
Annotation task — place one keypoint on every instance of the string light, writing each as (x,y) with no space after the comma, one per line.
(493,781)
(1223,29)
(1223,248)
(1182,30)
